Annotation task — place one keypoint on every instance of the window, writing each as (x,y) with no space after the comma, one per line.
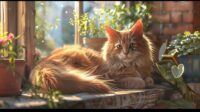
(52,25)
(3,19)
(89,6)
(92,8)
(1,29)
(9,23)
(52,22)
(44,24)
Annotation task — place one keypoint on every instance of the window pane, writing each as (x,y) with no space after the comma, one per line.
(52,25)
(2,17)
(91,7)
(1,29)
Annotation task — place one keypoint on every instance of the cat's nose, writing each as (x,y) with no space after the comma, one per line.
(126,52)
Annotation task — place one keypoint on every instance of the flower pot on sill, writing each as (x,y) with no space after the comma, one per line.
(94,43)
(192,67)
(10,82)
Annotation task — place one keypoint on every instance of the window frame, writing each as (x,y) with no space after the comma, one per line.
(18,19)
(22,22)
(26,28)
(79,9)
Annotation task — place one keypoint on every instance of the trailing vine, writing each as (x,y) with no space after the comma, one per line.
(171,69)
(52,96)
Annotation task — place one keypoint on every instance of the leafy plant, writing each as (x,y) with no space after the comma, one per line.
(87,25)
(6,48)
(52,96)
(171,70)
(119,17)
(185,44)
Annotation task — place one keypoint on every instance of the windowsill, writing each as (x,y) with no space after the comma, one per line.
(120,99)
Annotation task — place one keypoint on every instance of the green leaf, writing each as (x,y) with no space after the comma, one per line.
(196,33)
(187,33)
(4,34)
(12,53)
(162,50)
(165,73)
(173,52)
(177,71)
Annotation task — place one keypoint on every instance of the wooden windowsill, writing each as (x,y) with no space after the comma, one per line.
(119,99)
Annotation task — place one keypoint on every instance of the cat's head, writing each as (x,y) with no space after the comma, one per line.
(125,46)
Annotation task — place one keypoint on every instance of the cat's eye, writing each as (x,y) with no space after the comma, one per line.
(118,46)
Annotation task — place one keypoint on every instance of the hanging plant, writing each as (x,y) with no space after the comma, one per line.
(170,68)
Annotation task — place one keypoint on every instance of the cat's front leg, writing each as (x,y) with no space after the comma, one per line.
(131,83)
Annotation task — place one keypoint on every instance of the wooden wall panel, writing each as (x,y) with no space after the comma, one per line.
(26,27)
(196,15)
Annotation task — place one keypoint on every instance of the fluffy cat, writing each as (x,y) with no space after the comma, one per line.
(126,59)
(129,56)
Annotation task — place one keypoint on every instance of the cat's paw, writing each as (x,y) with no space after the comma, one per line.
(131,83)
(149,82)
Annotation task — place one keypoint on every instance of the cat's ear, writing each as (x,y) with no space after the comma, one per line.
(137,29)
(112,34)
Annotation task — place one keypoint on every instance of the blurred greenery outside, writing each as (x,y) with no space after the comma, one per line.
(52,21)
(51,29)
(52,24)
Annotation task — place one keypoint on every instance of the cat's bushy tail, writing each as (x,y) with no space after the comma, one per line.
(54,75)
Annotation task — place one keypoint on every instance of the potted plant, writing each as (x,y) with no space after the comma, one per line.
(186,47)
(90,30)
(119,17)
(174,67)
(11,69)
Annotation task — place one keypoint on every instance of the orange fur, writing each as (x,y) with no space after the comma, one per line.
(74,69)
(70,70)
(134,57)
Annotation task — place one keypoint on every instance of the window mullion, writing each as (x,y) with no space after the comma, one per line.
(26,28)
(79,10)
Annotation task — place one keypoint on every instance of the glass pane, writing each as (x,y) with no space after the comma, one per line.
(1,17)
(89,6)
(92,8)
(52,25)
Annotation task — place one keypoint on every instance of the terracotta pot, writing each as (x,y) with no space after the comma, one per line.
(94,43)
(10,82)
